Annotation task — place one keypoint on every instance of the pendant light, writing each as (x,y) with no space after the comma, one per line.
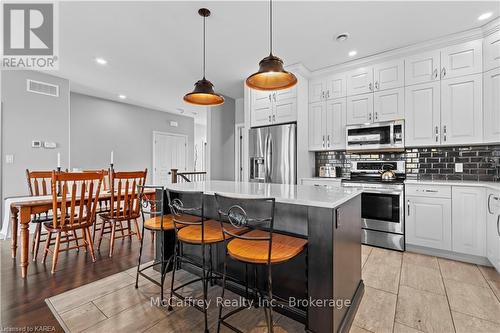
(271,75)
(203,93)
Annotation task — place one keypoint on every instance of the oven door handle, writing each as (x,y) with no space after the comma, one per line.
(408,206)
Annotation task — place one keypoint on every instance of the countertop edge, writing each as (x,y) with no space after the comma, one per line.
(490,185)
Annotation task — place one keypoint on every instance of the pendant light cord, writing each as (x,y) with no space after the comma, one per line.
(204,19)
(270,27)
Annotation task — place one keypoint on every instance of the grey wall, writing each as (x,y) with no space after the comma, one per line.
(239,112)
(221,120)
(99,126)
(28,116)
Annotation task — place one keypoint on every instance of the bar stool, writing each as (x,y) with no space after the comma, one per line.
(191,227)
(260,246)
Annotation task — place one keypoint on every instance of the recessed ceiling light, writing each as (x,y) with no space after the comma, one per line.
(342,37)
(121,96)
(101,61)
(485,16)
(352,53)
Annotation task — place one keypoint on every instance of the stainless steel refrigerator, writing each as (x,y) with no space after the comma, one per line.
(273,154)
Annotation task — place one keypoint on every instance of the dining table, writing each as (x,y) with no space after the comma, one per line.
(23,208)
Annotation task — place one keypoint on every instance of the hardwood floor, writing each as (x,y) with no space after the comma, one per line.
(23,300)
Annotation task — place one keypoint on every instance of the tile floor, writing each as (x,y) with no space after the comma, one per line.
(405,292)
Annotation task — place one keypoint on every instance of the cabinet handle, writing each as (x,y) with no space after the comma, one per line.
(274,117)
(443,72)
(370,117)
(376,85)
(430,191)
(437,133)
(328,94)
(408,205)
(435,73)
(370,86)
(274,96)
(444,133)
(323,142)
(328,140)
(376,115)
(269,97)
(498,225)
(269,118)
(322,95)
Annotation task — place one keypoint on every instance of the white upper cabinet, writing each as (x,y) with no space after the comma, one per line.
(423,67)
(273,107)
(462,59)
(388,75)
(422,114)
(336,86)
(491,107)
(262,108)
(462,110)
(360,81)
(360,109)
(469,220)
(317,125)
(491,51)
(317,88)
(388,105)
(335,123)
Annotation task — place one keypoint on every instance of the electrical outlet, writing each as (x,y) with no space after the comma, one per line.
(9,159)
(459,167)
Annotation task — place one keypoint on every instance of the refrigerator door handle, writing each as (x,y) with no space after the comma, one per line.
(269,156)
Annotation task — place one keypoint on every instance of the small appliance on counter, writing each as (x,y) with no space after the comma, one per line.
(329,172)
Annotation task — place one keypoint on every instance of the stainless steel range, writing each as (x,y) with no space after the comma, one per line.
(382,201)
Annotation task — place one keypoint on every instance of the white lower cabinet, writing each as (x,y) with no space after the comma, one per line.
(428,222)
(493,228)
(469,220)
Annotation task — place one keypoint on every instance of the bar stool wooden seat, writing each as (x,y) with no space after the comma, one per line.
(191,227)
(260,246)
(284,248)
(77,205)
(125,208)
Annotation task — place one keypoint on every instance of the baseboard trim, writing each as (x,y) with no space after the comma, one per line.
(449,255)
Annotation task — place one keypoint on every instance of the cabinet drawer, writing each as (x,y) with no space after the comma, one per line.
(435,191)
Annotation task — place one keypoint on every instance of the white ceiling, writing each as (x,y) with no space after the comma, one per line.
(154,48)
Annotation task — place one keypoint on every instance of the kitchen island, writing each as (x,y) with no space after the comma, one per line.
(323,285)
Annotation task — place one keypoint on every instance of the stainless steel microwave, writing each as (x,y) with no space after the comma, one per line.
(385,136)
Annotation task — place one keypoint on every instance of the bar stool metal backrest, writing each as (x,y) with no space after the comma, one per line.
(151,205)
(124,184)
(247,213)
(184,205)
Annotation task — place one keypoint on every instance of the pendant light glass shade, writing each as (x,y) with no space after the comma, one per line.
(271,74)
(203,93)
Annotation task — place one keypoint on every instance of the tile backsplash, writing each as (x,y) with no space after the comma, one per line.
(436,163)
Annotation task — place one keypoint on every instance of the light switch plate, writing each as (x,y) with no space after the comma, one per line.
(459,167)
(174,124)
(9,159)
(36,144)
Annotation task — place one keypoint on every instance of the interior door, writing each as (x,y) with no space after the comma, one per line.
(422,114)
(360,109)
(169,153)
(423,67)
(335,123)
(462,110)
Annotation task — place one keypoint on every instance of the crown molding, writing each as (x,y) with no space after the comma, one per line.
(300,69)
(452,39)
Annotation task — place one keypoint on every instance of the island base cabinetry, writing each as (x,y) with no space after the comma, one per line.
(328,271)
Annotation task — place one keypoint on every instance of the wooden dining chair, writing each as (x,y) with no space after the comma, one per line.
(125,207)
(39,183)
(77,204)
(104,205)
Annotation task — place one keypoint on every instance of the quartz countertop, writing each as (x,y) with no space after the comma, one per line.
(491,185)
(305,195)
(333,179)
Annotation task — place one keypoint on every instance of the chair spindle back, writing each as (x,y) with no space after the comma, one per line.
(125,185)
